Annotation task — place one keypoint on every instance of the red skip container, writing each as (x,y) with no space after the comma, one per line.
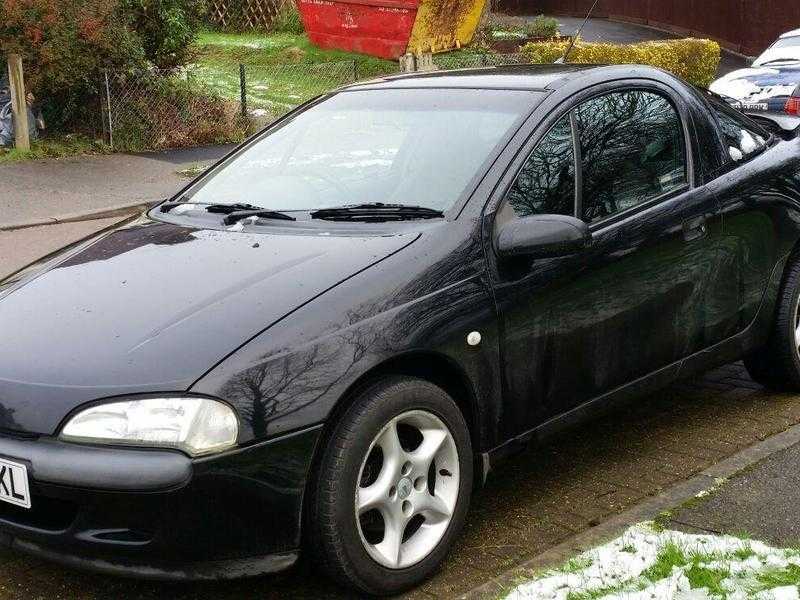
(390,28)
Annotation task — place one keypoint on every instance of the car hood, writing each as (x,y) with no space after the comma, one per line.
(758,84)
(151,306)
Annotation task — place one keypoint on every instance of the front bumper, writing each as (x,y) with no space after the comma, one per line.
(158,514)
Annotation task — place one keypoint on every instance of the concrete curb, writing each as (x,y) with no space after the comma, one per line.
(103,213)
(644,511)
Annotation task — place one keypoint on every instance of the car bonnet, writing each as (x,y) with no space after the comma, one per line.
(151,306)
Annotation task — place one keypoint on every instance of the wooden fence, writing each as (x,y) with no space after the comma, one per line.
(243,15)
(745,26)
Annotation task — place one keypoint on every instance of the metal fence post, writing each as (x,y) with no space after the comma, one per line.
(355,71)
(108,108)
(243,89)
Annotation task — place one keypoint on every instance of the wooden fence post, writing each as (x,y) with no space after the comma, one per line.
(19,104)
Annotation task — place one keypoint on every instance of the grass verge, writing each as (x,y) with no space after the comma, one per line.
(57,147)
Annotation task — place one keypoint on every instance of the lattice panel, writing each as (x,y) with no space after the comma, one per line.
(245,14)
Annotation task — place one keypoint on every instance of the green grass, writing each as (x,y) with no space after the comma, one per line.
(700,576)
(283,69)
(779,577)
(577,564)
(192,171)
(58,147)
(671,555)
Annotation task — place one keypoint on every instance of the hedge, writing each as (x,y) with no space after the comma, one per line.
(695,60)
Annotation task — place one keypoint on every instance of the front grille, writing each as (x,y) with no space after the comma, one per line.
(49,514)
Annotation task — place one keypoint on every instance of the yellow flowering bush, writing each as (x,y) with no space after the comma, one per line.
(695,60)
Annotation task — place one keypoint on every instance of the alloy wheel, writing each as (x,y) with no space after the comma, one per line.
(407,489)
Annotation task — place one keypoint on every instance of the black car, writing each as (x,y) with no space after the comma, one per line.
(328,339)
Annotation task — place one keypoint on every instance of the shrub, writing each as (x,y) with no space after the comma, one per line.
(542,27)
(288,19)
(167,28)
(694,60)
(65,45)
(167,112)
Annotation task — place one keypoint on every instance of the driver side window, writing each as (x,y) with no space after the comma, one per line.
(546,182)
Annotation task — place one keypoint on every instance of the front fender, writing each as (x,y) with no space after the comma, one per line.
(286,379)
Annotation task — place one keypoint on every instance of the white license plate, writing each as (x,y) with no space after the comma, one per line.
(755,106)
(14,483)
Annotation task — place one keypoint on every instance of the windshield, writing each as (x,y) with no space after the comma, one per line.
(783,50)
(419,147)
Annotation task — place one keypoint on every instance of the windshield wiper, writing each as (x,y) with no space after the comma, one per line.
(234,212)
(376,212)
(264,213)
(779,60)
(212,208)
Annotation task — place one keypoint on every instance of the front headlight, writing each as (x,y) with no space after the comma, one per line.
(195,425)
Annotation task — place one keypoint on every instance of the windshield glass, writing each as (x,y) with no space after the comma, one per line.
(783,50)
(397,146)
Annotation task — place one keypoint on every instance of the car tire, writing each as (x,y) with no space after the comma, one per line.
(380,521)
(777,366)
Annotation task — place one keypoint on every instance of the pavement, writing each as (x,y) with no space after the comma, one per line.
(762,502)
(51,190)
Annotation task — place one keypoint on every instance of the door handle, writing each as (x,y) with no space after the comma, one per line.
(694,229)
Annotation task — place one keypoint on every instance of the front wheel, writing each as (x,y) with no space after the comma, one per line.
(777,366)
(392,488)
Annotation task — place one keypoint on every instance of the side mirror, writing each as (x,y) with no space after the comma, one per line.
(542,236)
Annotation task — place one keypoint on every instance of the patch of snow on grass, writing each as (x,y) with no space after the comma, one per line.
(648,564)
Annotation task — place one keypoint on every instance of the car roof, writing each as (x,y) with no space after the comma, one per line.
(511,77)
(792,33)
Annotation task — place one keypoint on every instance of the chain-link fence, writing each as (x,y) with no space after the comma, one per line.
(461,60)
(207,105)
(217,104)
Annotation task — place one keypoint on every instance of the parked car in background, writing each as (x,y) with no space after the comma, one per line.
(323,342)
(770,86)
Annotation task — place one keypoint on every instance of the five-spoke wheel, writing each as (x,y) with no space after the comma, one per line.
(393,486)
(407,489)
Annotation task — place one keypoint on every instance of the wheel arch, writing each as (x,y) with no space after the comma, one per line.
(430,366)
(433,367)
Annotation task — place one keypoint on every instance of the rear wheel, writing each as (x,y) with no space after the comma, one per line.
(393,487)
(777,366)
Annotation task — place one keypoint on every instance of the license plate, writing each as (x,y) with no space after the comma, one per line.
(755,106)
(14,483)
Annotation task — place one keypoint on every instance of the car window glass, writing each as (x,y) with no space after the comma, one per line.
(632,150)
(396,146)
(740,138)
(546,183)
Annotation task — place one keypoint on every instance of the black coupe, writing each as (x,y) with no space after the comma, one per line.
(328,339)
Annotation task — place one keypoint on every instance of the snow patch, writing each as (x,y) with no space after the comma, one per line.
(633,567)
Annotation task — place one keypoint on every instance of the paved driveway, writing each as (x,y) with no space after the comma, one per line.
(531,502)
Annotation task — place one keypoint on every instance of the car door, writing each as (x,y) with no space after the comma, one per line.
(579,326)
(753,189)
